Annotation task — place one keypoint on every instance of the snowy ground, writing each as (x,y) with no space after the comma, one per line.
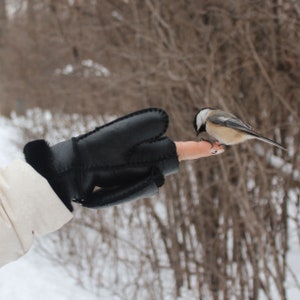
(34,277)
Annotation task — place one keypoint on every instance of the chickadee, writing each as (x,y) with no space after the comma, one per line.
(226,128)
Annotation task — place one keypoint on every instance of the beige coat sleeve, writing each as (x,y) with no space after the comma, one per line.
(28,208)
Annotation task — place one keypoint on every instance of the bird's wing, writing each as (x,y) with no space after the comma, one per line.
(231,121)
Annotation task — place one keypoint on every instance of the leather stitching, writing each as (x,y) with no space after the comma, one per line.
(144,111)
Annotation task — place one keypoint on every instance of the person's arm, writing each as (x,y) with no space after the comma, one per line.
(28,208)
(128,159)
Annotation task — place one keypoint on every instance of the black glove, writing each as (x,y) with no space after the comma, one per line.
(127,159)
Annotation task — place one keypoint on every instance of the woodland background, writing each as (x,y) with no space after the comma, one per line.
(221,227)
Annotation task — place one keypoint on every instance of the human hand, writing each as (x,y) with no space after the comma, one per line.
(127,159)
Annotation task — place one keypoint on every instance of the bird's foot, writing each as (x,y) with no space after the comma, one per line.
(212,142)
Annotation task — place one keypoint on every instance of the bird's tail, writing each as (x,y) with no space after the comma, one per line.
(269,141)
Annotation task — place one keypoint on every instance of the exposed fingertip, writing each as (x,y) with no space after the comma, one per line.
(217,151)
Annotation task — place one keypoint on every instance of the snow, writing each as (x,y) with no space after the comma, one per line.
(34,277)
(10,139)
(279,163)
(87,68)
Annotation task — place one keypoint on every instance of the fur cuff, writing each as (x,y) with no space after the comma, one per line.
(38,155)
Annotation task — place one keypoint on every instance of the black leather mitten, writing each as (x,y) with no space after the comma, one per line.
(126,159)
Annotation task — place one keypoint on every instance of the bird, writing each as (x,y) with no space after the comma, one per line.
(226,128)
